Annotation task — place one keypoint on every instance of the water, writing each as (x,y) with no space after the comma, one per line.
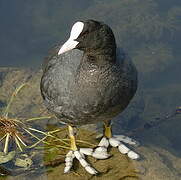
(149,31)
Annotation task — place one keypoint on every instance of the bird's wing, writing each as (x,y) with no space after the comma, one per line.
(129,72)
(58,79)
(72,57)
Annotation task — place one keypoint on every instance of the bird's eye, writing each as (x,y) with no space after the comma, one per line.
(84,33)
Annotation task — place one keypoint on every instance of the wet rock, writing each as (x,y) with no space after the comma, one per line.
(4,158)
(158,162)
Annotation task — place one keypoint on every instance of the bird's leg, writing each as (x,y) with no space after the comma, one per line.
(79,154)
(118,141)
(107,129)
(72,134)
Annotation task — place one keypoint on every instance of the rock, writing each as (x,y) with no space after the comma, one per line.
(4,158)
(157,163)
(28,103)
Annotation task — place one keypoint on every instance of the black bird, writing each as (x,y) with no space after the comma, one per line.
(87,80)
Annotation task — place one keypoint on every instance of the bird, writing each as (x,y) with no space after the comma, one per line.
(86,80)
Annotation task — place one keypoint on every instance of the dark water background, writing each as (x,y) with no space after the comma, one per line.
(148,30)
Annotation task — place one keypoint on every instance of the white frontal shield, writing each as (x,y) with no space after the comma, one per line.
(71,43)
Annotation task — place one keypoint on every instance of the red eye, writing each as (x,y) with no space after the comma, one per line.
(84,33)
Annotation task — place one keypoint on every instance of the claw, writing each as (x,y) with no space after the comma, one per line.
(91,170)
(133,155)
(123,149)
(86,151)
(69,161)
(67,169)
(115,141)
(79,154)
(100,149)
(126,139)
(84,163)
(99,153)
(104,142)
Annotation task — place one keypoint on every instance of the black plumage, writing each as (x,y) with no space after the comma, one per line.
(93,82)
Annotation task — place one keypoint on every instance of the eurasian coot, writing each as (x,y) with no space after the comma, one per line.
(87,80)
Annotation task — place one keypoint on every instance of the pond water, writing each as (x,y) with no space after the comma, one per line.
(149,31)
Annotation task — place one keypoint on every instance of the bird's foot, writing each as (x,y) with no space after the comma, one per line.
(81,158)
(98,153)
(119,141)
(79,154)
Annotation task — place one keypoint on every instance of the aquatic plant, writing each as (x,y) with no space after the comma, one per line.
(17,135)
(15,131)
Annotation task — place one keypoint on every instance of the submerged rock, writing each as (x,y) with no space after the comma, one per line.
(4,158)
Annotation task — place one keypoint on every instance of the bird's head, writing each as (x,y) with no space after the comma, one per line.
(89,35)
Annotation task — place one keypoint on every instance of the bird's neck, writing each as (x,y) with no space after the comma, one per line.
(101,56)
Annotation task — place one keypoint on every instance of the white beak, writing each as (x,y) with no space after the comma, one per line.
(68,45)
